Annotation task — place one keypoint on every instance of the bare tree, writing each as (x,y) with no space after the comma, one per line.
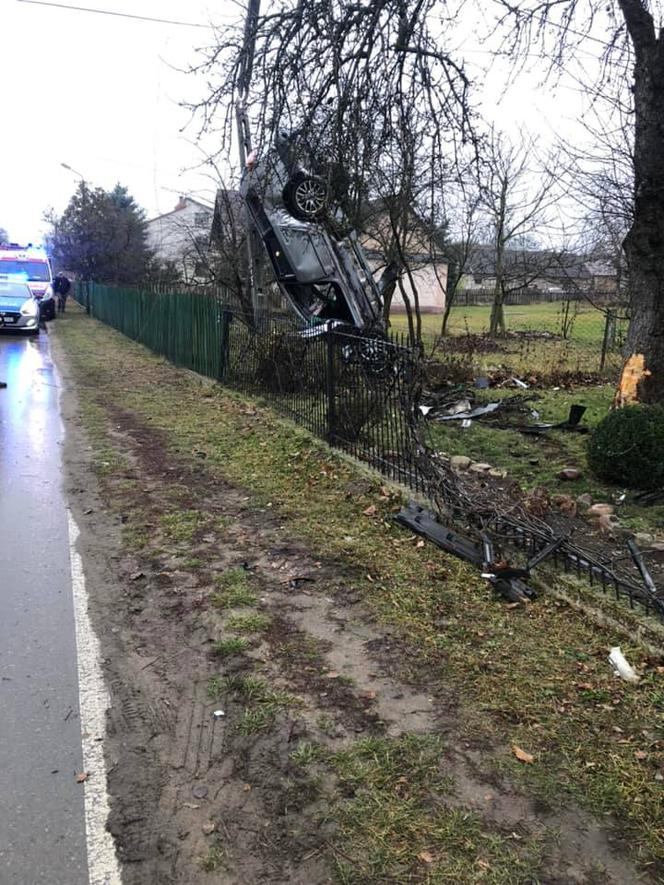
(633,47)
(516,199)
(379,104)
(599,178)
(459,237)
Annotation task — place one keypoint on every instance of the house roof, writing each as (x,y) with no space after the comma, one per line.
(543,263)
(599,268)
(228,202)
(183,203)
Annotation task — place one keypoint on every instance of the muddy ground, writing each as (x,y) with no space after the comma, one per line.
(200,798)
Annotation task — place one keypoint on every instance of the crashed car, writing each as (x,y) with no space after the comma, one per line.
(326,278)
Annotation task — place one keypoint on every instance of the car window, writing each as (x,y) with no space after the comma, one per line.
(31,270)
(14,291)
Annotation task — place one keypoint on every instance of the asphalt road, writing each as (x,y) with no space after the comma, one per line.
(42,826)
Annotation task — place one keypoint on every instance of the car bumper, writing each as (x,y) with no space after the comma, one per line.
(21,324)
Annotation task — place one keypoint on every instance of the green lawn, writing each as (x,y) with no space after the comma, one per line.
(580,352)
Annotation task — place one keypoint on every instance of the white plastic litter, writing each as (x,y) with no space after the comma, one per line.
(218,714)
(425,409)
(621,667)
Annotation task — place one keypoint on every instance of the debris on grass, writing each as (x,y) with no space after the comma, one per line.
(522,755)
(620,665)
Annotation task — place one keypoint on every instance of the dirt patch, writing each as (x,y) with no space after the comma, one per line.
(201,745)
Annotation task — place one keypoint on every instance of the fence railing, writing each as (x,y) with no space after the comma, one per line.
(349,389)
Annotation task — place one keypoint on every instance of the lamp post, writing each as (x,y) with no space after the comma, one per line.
(70,169)
(86,281)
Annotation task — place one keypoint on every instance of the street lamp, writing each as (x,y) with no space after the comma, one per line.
(87,282)
(69,169)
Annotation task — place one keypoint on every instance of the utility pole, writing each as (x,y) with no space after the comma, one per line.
(245,148)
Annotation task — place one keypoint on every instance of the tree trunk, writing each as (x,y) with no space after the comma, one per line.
(497,321)
(453,278)
(644,244)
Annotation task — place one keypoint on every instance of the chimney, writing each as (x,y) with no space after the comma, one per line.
(182,203)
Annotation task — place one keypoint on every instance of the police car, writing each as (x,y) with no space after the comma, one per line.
(29,264)
(19,309)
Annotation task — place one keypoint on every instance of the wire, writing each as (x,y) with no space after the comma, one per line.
(143,18)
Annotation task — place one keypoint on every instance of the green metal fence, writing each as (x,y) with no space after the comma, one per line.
(187,329)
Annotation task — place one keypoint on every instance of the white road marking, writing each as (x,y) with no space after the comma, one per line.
(103,867)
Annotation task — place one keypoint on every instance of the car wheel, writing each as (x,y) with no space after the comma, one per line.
(306,196)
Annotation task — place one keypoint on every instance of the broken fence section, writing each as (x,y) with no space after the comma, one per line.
(361,394)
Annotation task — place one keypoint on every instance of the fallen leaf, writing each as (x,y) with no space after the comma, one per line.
(208,828)
(640,754)
(426,856)
(370,511)
(247,788)
(584,686)
(420,543)
(522,756)
(368,695)
(82,777)
(332,675)
(137,575)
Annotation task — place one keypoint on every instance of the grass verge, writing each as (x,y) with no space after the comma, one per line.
(536,676)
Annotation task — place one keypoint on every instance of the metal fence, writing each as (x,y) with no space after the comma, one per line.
(349,389)
(358,392)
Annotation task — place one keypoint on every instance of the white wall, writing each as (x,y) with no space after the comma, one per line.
(172,236)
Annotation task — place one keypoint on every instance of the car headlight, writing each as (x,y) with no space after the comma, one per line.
(30,308)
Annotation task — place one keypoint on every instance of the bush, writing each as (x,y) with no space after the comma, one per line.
(628,447)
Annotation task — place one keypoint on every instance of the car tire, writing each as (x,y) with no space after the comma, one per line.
(306,196)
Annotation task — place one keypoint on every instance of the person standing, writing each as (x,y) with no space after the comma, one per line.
(61,287)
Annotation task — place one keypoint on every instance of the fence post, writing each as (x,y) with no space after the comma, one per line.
(609,336)
(330,389)
(224,340)
(87,297)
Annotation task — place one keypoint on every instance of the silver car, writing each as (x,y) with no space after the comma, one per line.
(19,309)
(326,278)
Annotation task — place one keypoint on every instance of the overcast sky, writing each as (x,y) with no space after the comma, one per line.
(100,93)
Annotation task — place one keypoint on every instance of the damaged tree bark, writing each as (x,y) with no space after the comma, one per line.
(644,244)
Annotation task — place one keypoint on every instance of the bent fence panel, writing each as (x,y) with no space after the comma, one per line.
(355,391)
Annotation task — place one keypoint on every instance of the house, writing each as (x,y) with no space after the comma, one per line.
(182,236)
(552,275)
(426,268)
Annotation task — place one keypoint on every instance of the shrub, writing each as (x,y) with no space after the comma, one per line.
(627,447)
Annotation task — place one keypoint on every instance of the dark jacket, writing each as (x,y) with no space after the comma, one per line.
(61,285)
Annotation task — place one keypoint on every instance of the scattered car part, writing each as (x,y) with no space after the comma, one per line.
(479,412)
(508,580)
(576,412)
(639,562)
(620,665)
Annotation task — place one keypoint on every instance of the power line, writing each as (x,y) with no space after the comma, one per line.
(143,18)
